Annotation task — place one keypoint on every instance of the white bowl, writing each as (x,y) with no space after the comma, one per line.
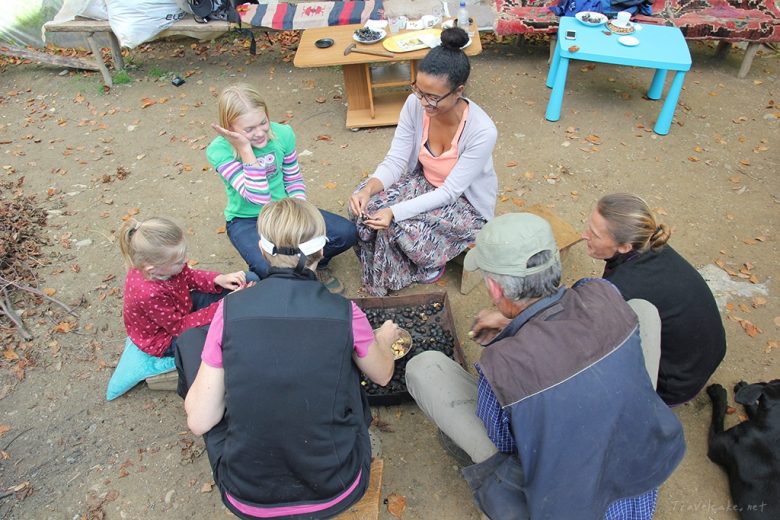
(587,17)
(381,36)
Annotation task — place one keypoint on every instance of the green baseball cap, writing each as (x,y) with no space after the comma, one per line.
(506,243)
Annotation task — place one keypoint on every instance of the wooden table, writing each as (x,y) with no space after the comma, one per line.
(364,78)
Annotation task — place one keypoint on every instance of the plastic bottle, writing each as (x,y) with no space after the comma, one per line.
(463,16)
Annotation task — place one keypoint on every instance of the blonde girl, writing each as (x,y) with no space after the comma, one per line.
(257,162)
(163,297)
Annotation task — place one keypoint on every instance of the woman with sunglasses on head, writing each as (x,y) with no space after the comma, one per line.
(436,186)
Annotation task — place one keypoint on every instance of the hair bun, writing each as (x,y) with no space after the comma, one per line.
(453,38)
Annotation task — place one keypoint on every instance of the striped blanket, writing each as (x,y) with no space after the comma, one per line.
(305,15)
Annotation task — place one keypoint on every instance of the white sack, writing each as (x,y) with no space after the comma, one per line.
(137,21)
(94,9)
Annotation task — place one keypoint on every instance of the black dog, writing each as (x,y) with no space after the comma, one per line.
(750,451)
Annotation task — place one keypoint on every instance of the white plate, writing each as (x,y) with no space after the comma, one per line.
(381,32)
(628,41)
(592,15)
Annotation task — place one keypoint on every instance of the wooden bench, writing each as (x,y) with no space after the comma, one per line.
(185,27)
(367,508)
(565,236)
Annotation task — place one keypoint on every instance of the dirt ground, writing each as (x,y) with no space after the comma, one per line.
(67,453)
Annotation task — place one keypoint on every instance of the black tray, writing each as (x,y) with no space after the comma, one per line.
(428,316)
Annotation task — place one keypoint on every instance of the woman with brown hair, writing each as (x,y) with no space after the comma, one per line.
(623,232)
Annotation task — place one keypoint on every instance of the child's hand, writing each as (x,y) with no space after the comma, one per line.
(231,281)
(237,140)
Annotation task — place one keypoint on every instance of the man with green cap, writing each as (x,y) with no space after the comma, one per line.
(563,421)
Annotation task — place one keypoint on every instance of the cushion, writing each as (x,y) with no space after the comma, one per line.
(134,366)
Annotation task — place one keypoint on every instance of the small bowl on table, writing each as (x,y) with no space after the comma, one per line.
(324,43)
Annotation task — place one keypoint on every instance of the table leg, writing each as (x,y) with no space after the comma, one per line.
(116,51)
(98,55)
(554,62)
(355,81)
(670,104)
(657,86)
(556,97)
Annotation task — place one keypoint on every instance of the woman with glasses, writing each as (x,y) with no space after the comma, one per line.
(436,186)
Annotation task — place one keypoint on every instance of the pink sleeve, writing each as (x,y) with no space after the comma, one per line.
(362,333)
(212,349)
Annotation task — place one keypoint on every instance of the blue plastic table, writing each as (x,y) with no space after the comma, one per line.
(660,48)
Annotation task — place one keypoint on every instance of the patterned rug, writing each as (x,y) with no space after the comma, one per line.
(305,15)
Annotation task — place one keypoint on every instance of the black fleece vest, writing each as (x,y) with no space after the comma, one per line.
(297,416)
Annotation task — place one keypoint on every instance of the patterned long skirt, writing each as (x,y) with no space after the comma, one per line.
(414,249)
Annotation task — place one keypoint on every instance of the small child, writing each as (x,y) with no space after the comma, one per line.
(257,162)
(163,296)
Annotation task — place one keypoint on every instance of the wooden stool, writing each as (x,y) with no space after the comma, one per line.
(367,508)
(565,237)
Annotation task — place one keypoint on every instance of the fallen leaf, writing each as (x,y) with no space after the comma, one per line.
(320,99)
(192,262)
(750,328)
(518,202)
(10,354)
(770,346)
(4,428)
(396,504)
(730,410)
(593,139)
(112,495)
(323,137)
(744,307)
(49,291)
(777,321)
(758,301)
(63,326)
(206,487)
(511,164)
(221,229)
(147,102)
(330,185)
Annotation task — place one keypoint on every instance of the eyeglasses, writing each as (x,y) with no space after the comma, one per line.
(432,101)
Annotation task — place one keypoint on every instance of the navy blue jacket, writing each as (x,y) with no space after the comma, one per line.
(588,426)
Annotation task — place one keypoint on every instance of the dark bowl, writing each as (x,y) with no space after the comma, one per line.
(323,43)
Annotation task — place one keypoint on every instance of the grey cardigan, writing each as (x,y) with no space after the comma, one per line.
(472,176)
